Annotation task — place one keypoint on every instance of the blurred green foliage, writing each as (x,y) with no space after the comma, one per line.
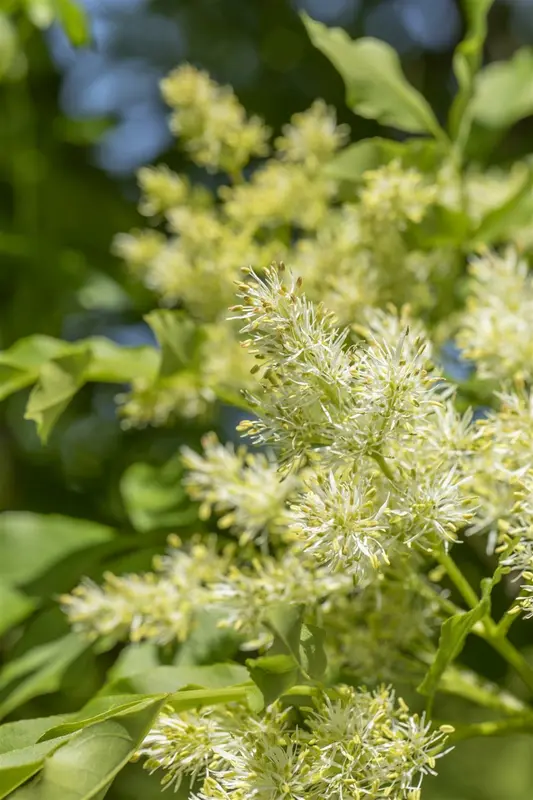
(116,489)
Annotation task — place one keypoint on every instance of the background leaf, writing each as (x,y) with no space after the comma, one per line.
(38,672)
(503,92)
(375,84)
(171,679)
(32,543)
(14,607)
(353,161)
(74,21)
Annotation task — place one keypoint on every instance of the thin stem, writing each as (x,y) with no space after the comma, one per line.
(500,727)
(504,625)
(509,652)
(460,582)
(384,467)
(487,629)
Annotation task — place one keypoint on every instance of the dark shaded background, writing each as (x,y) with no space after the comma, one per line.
(71,136)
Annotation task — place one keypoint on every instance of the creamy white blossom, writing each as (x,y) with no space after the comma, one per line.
(352,743)
(497,327)
(242,486)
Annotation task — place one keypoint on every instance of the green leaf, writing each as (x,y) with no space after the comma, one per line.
(376,87)
(441,227)
(154,497)
(59,380)
(178,338)
(171,679)
(356,159)
(19,366)
(304,643)
(208,643)
(60,369)
(285,621)
(453,635)
(112,363)
(40,671)
(23,733)
(85,766)
(273,675)
(134,658)
(466,62)
(186,699)
(518,209)
(14,607)
(503,91)
(20,764)
(96,710)
(74,21)
(312,651)
(32,543)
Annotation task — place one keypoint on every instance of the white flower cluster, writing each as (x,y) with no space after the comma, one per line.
(368,417)
(244,487)
(211,121)
(158,606)
(497,327)
(351,253)
(162,606)
(353,743)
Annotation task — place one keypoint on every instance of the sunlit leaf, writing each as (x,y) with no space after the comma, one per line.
(517,210)
(59,380)
(74,20)
(177,336)
(85,766)
(375,84)
(273,674)
(503,91)
(356,159)
(154,497)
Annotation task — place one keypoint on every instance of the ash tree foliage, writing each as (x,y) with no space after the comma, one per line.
(312,579)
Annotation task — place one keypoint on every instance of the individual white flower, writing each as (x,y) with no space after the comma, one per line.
(342,524)
(369,745)
(504,444)
(187,745)
(245,487)
(430,507)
